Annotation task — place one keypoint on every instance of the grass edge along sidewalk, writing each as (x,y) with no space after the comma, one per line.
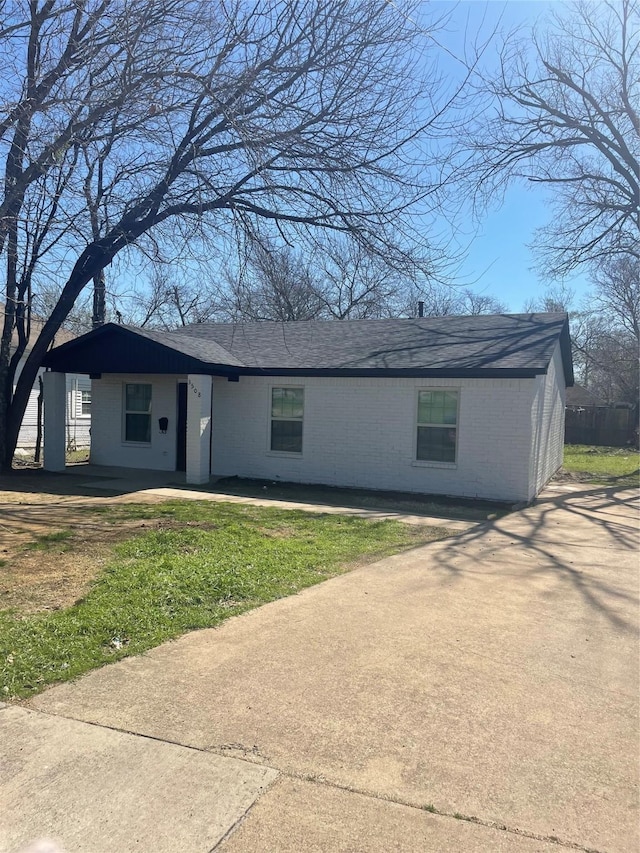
(205,563)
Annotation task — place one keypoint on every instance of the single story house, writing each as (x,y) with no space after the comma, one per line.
(460,406)
(579,396)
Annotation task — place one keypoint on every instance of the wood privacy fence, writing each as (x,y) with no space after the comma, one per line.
(602,425)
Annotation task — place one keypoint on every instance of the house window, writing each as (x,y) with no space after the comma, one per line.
(287,407)
(437,426)
(85,403)
(137,413)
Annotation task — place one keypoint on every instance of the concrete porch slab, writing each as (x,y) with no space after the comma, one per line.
(111,477)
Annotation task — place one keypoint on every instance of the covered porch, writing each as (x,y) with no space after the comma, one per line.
(152,397)
(182,427)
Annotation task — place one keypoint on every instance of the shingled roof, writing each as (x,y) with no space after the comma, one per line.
(484,345)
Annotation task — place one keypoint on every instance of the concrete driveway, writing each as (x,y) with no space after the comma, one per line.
(476,694)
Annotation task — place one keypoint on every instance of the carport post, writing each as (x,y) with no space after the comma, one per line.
(54,387)
(198,428)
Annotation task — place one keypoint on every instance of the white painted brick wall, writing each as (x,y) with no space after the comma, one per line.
(357,432)
(107,438)
(547,420)
(199,390)
(362,433)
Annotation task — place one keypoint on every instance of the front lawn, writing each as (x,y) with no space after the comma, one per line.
(196,565)
(615,466)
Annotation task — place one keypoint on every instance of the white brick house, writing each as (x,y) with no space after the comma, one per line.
(460,406)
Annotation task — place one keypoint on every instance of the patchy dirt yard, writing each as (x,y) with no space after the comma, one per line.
(51,544)
(54,539)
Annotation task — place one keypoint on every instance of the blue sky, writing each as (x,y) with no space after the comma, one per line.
(498,261)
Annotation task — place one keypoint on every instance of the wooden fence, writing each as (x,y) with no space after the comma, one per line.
(602,425)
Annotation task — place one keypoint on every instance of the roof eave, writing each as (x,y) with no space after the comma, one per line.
(398,373)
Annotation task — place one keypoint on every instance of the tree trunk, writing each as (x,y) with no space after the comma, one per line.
(99,306)
(12,409)
(5,403)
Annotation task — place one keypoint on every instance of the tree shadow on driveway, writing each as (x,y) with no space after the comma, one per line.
(584,542)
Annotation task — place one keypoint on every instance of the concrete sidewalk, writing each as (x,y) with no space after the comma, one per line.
(490,676)
(95,789)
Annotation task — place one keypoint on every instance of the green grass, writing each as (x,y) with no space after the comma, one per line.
(58,541)
(207,562)
(603,465)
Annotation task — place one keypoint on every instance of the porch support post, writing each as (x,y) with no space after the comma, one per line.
(54,387)
(199,390)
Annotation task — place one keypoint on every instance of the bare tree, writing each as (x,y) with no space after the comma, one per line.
(614,312)
(564,114)
(604,343)
(274,283)
(617,293)
(338,279)
(441,300)
(607,360)
(557,298)
(481,303)
(160,122)
(171,297)
(356,284)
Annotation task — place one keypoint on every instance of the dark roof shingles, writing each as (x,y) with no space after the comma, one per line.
(205,349)
(505,341)
(485,345)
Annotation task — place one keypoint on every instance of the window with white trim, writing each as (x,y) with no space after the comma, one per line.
(85,403)
(437,435)
(287,410)
(137,412)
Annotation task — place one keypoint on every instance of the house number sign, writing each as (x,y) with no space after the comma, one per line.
(195,389)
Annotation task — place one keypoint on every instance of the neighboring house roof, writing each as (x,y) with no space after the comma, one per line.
(516,345)
(578,395)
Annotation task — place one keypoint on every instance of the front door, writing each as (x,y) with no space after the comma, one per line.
(181,428)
